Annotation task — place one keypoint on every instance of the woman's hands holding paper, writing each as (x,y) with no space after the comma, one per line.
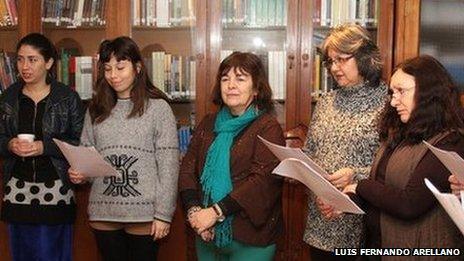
(76,177)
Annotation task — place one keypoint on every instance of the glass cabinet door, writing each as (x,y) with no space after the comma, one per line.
(260,27)
(165,31)
(442,35)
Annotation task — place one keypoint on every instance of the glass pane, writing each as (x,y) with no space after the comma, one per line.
(165,33)
(76,30)
(442,35)
(259,26)
(328,14)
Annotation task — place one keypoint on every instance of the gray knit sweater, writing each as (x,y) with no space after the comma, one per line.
(145,152)
(343,134)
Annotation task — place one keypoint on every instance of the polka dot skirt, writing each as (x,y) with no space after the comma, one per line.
(29,193)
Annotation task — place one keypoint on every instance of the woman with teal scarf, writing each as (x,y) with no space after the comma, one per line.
(232,200)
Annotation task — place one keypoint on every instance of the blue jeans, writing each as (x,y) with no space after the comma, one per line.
(40,242)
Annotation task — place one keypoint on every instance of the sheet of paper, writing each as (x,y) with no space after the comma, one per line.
(297,165)
(450,203)
(452,161)
(283,153)
(299,170)
(86,160)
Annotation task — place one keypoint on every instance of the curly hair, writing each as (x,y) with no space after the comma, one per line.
(251,64)
(104,98)
(437,106)
(355,40)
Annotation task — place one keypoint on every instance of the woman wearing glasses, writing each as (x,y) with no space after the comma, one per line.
(342,136)
(401,211)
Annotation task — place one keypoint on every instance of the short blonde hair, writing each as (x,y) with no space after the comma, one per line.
(355,40)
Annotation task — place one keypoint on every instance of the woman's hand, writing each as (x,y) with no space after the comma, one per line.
(456,186)
(327,211)
(25,148)
(341,177)
(76,177)
(207,235)
(159,229)
(203,219)
(350,188)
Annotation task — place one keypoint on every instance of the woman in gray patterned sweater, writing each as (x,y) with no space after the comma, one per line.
(342,137)
(132,126)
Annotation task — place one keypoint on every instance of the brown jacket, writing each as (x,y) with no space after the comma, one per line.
(255,189)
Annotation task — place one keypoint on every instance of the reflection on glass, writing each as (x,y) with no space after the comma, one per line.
(442,35)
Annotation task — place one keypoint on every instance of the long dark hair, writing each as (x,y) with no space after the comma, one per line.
(251,64)
(45,47)
(104,98)
(437,106)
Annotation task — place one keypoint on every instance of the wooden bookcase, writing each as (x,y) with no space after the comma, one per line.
(205,44)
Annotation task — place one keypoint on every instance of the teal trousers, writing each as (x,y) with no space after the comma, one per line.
(236,251)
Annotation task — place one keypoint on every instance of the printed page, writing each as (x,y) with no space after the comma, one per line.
(450,203)
(297,165)
(86,160)
(452,161)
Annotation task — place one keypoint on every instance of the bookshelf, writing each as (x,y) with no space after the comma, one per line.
(279,30)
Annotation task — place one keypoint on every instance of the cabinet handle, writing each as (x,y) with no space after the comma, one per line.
(305,58)
(200,57)
(291,58)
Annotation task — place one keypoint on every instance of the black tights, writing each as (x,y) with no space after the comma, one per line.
(118,245)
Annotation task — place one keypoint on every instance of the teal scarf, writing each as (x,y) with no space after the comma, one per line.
(216,180)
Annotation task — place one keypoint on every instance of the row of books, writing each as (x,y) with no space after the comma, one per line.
(275,64)
(184,133)
(74,13)
(163,13)
(78,72)
(173,74)
(335,12)
(322,80)
(254,13)
(8,70)
(8,12)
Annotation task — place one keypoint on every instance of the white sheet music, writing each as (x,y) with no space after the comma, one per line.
(296,165)
(283,153)
(450,203)
(452,161)
(86,160)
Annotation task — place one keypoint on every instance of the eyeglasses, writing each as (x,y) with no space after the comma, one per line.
(337,60)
